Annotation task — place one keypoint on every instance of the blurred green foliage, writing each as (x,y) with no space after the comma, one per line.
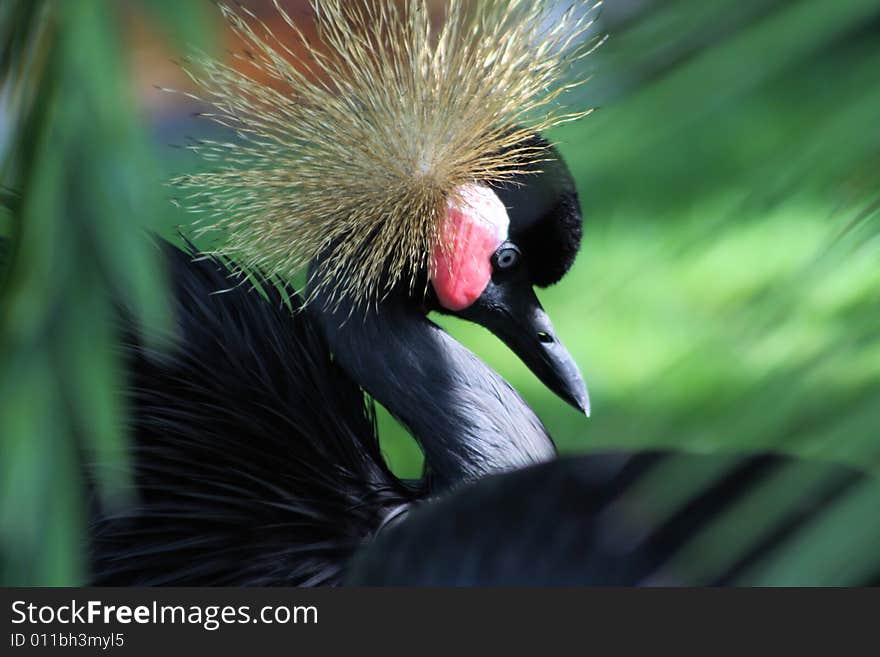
(725,299)
(86,186)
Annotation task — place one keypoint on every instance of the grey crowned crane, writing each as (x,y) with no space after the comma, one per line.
(393,163)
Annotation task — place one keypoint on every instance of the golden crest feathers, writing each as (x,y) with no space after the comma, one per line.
(352,149)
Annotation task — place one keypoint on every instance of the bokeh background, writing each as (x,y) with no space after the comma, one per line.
(725,300)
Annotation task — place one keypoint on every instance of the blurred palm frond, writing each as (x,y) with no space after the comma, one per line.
(85,186)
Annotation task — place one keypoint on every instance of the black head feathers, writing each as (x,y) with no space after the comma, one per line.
(545,215)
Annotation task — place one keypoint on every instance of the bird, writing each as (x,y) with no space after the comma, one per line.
(403,181)
(255,453)
(254,450)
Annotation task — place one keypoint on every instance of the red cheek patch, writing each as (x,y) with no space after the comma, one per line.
(461,264)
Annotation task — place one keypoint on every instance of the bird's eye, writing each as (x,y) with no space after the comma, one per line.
(506,256)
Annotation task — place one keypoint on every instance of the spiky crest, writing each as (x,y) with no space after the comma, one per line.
(356,144)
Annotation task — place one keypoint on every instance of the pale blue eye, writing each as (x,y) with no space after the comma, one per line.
(506,256)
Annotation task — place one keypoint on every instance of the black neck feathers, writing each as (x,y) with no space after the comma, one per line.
(468,420)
